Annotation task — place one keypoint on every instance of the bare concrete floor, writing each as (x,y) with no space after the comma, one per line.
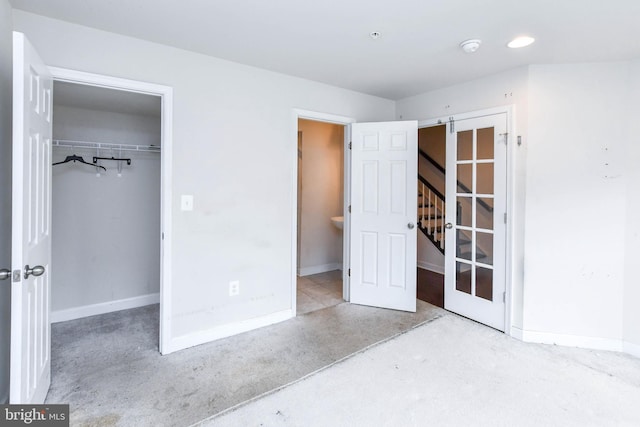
(110,372)
(455,372)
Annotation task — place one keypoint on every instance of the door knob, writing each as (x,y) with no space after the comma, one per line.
(38,270)
(4,273)
(410,226)
(448,226)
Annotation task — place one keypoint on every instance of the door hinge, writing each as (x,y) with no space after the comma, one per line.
(17,275)
(505,217)
(162,236)
(504,297)
(349,272)
(452,126)
(349,145)
(349,208)
(506,137)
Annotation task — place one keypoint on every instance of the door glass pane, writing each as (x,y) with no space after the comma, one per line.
(463,277)
(463,209)
(465,178)
(465,145)
(484,213)
(484,283)
(485,143)
(484,248)
(485,178)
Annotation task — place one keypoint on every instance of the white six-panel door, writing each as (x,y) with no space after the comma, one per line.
(31,235)
(475,235)
(383,214)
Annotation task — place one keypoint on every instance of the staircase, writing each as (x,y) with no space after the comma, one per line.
(432,209)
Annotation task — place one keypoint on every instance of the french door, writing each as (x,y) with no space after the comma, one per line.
(475,232)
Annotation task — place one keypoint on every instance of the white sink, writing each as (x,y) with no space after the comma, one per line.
(338,221)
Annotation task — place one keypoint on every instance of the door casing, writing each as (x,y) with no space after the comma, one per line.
(166,95)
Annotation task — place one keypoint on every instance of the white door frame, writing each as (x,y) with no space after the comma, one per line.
(166,95)
(346,244)
(509,110)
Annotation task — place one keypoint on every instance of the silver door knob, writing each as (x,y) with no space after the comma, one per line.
(448,226)
(4,274)
(38,270)
(410,226)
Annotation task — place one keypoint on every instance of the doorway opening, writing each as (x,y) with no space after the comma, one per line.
(464,160)
(432,157)
(320,215)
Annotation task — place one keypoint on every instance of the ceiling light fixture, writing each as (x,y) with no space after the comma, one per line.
(520,41)
(374,35)
(470,46)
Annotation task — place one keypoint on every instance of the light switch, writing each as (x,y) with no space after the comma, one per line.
(186,202)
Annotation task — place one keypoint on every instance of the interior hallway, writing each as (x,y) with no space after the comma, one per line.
(109,370)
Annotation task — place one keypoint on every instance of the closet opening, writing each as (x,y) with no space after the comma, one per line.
(106,207)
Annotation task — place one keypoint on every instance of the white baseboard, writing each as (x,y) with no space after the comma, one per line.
(224,331)
(632,349)
(595,343)
(431,267)
(316,269)
(517,333)
(103,307)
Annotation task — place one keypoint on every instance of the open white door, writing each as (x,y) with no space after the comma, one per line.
(475,242)
(31,237)
(384,214)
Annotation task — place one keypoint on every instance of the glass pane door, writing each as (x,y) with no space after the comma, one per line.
(475,233)
(474,212)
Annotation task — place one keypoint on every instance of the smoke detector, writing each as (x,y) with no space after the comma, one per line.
(470,46)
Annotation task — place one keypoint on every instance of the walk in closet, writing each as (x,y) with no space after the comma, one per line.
(106,185)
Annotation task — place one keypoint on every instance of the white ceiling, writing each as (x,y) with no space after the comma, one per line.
(328,40)
(103,99)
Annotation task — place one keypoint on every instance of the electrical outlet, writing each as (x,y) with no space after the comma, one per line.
(234,288)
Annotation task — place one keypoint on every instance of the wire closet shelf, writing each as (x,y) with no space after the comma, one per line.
(105,146)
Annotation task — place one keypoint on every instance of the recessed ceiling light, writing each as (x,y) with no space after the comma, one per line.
(374,35)
(521,41)
(470,46)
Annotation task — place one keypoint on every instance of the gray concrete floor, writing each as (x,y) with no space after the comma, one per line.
(110,372)
(319,291)
(455,372)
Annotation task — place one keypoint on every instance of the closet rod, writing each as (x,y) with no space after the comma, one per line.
(105,146)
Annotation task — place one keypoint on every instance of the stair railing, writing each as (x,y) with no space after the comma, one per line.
(432,208)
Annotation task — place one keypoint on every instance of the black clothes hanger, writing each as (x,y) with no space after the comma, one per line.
(74,158)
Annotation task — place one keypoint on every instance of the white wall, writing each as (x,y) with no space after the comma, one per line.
(321,196)
(5,191)
(106,229)
(234,147)
(575,238)
(632,225)
(86,125)
(507,88)
(577,220)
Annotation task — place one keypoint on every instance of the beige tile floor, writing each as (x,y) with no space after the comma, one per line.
(319,291)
